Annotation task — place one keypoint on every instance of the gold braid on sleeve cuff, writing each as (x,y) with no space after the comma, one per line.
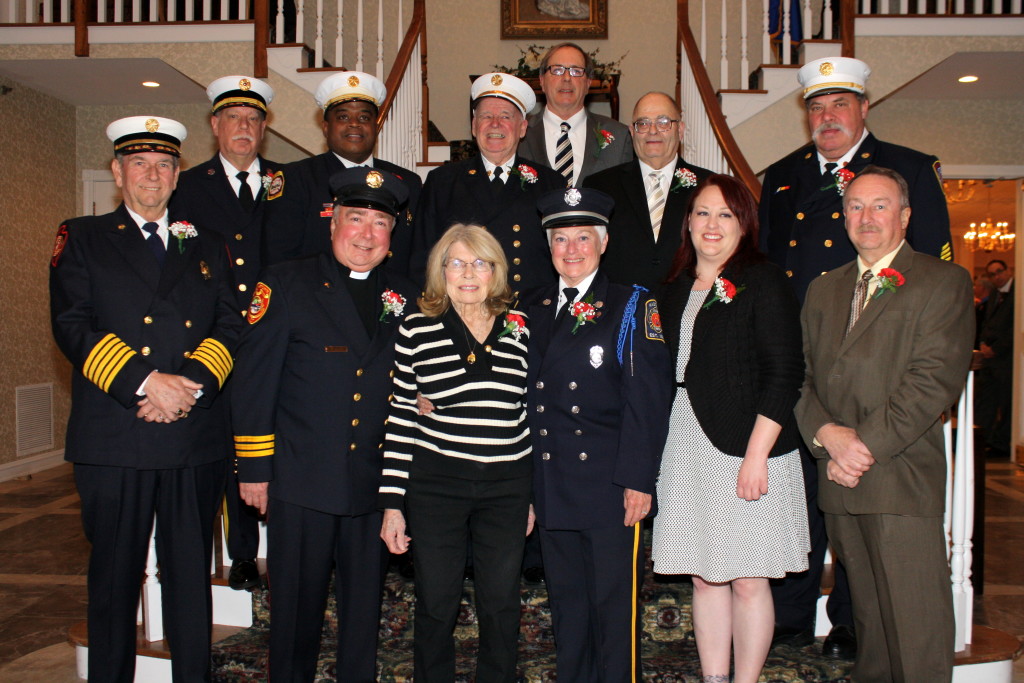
(216,358)
(254,446)
(105,360)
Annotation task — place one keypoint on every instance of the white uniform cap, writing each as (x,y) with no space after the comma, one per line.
(239,91)
(832,75)
(135,134)
(350,85)
(506,86)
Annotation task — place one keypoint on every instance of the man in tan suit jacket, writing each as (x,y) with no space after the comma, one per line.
(887,353)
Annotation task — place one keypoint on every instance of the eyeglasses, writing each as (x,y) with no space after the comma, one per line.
(459,266)
(559,70)
(995,272)
(662,123)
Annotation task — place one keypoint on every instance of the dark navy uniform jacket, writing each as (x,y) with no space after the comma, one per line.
(205,195)
(802,226)
(311,389)
(460,192)
(598,427)
(118,316)
(298,222)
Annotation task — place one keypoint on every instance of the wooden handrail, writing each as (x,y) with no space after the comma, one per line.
(81,10)
(847,14)
(733,156)
(416,32)
(260,32)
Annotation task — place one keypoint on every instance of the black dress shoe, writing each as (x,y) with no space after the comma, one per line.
(243,575)
(533,576)
(841,643)
(792,637)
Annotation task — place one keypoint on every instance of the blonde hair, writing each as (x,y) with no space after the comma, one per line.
(484,245)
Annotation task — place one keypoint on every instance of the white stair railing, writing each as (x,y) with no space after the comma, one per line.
(959,518)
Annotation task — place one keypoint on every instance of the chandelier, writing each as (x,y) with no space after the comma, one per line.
(988,235)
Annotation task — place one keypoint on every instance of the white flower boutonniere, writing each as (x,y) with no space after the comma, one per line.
(684,177)
(183,230)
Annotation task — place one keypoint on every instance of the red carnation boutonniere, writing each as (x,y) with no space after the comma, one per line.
(183,230)
(583,311)
(842,176)
(888,280)
(684,177)
(514,326)
(725,291)
(394,304)
(526,175)
(604,138)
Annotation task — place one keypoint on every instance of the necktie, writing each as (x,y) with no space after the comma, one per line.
(496,183)
(860,296)
(570,298)
(830,170)
(655,202)
(156,245)
(245,197)
(563,154)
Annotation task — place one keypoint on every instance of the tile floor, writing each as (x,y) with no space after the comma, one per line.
(43,557)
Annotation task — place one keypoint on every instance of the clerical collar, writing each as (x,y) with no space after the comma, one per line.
(846,158)
(351,164)
(349,274)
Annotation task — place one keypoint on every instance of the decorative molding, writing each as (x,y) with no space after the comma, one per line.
(26,466)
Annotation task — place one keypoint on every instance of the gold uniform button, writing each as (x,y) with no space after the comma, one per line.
(242,288)
(359,372)
(578,432)
(583,456)
(800,216)
(148,320)
(244,313)
(187,354)
(355,422)
(823,272)
(239,261)
(146,351)
(391,397)
(792,243)
(238,237)
(188,323)
(835,214)
(357,397)
(575,410)
(516,228)
(540,409)
(352,446)
(516,244)
(540,384)
(572,386)
(517,277)
(828,243)
(545,456)
(543,432)
(789,273)
(391,373)
(516,261)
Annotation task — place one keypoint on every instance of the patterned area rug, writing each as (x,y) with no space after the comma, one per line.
(669,651)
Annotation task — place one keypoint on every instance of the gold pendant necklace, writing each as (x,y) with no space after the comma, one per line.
(471,358)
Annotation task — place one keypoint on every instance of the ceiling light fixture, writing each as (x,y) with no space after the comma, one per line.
(151,84)
(967,79)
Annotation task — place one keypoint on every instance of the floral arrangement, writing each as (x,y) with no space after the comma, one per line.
(266,180)
(514,326)
(843,177)
(888,280)
(528,65)
(684,177)
(725,291)
(394,304)
(583,311)
(183,230)
(526,175)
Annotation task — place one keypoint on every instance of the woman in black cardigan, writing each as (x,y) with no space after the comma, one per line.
(732,508)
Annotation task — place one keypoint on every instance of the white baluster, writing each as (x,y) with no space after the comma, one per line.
(152,609)
(172,11)
(963,482)
(960,7)
(979,7)
(826,20)
(47,13)
(1015,6)
(118,12)
(883,6)
(904,7)
(136,10)
(766,39)
(339,41)
(787,45)
(808,21)
(723,66)
(243,9)
(279,22)
(703,31)
(300,21)
(224,10)
(922,6)
(65,11)
(318,39)
(968,455)
(380,39)
(359,35)
(190,11)
(744,61)
(207,10)
(101,12)
(400,24)
(154,13)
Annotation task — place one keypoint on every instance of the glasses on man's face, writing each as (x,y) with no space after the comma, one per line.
(662,123)
(459,266)
(574,71)
(993,273)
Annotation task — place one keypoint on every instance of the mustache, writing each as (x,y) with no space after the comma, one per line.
(830,126)
(243,136)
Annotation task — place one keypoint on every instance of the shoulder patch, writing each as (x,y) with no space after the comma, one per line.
(652,321)
(59,244)
(276,187)
(259,304)
(937,167)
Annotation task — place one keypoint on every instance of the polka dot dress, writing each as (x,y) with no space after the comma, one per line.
(703,527)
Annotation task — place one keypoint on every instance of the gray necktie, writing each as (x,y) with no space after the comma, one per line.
(860,296)
(655,202)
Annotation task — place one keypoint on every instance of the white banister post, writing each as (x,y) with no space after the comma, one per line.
(826,20)
(922,6)
(243,9)
(318,40)
(172,11)
(225,10)
(207,10)
(279,23)
(744,60)
(300,21)
(400,24)
(47,13)
(136,10)
(787,40)
(65,11)
(703,31)
(152,609)
(339,42)
(118,12)
(190,11)
(359,35)
(101,12)
(1015,6)
(766,39)
(904,6)
(961,517)
(153,10)
(380,39)
(960,6)
(808,21)
(979,6)
(723,67)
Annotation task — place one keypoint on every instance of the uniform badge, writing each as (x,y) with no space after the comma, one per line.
(496,79)
(826,69)
(276,187)
(374,179)
(408,217)
(652,321)
(572,196)
(937,167)
(244,84)
(596,356)
(327,211)
(58,246)
(353,81)
(472,171)
(152,125)
(211,172)
(259,304)
(204,270)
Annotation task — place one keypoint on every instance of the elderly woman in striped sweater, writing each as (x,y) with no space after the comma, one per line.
(462,471)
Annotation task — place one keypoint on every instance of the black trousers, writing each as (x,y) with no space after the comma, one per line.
(444,513)
(118,506)
(594,578)
(243,523)
(304,547)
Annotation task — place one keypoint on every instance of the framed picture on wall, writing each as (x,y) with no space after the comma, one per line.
(554,19)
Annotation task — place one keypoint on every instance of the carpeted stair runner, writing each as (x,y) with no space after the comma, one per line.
(669,651)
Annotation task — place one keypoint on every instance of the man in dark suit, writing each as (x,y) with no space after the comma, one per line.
(498,188)
(226,194)
(143,309)
(994,396)
(887,341)
(651,194)
(310,403)
(299,200)
(565,135)
(802,231)
(599,388)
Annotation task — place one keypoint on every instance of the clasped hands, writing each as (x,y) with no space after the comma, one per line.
(168,397)
(849,457)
